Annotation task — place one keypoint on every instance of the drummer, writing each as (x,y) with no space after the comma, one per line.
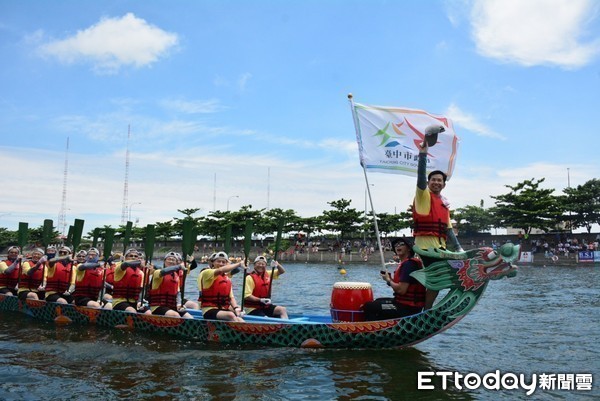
(258,286)
(409,294)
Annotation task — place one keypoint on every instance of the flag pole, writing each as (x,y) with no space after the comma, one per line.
(358,140)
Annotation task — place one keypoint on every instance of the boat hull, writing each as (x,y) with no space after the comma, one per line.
(305,332)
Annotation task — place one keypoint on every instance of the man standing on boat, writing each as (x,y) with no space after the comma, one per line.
(431,211)
(258,286)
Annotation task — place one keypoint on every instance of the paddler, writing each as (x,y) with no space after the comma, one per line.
(89,278)
(32,275)
(128,281)
(216,292)
(165,288)
(9,271)
(258,286)
(59,279)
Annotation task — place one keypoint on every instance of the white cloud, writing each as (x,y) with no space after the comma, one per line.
(193,106)
(471,123)
(113,43)
(535,32)
(243,80)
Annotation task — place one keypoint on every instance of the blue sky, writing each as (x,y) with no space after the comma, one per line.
(254,93)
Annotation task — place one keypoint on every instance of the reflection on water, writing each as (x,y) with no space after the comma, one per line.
(545,320)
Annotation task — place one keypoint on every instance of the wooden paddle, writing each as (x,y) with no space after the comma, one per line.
(95,237)
(277,245)
(109,237)
(149,252)
(247,244)
(47,233)
(22,236)
(187,248)
(69,240)
(77,233)
(127,236)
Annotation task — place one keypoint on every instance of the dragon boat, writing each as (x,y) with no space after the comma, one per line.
(464,275)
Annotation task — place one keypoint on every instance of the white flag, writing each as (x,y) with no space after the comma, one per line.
(389,139)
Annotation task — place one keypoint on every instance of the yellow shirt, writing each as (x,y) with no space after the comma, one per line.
(26,266)
(249,288)
(119,274)
(51,270)
(206,278)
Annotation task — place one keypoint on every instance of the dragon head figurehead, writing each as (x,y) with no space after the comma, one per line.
(467,270)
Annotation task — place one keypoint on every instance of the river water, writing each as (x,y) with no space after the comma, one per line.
(545,320)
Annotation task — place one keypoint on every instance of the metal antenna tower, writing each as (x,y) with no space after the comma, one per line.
(126,185)
(62,214)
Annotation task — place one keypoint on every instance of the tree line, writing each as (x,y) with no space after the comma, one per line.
(525,207)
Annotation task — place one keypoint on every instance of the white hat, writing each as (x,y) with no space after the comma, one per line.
(260,259)
(219,255)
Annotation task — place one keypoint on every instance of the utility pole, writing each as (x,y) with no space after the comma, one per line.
(126,185)
(62,214)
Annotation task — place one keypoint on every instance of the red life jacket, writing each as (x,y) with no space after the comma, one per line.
(61,279)
(130,286)
(31,282)
(435,223)
(261,289)
(11,279)
(217,294)
(415,295)
(166,293)
(90,284)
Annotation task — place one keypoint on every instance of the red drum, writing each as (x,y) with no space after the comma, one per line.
(347,299)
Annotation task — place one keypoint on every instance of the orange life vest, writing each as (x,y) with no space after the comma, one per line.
(61,279)
(435,223)
(11,279)
(217,294)
(130,286)
(261,289)
(33,281)
(91,283)
(166,293)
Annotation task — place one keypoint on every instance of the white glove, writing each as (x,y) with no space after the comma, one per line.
(274,263)
(265,301)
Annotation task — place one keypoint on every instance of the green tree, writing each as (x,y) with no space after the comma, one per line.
(527,206)
(389,223)
(582,204)
(473,219)
(342,219)
(164,230)
(7,237)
